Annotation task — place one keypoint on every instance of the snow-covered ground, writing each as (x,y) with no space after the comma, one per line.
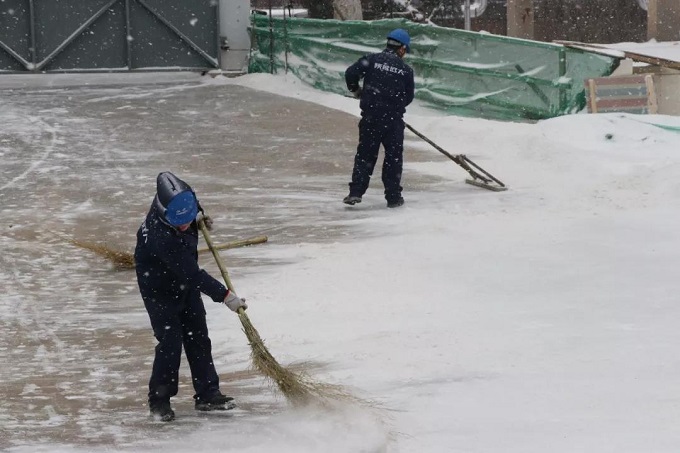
(541,319)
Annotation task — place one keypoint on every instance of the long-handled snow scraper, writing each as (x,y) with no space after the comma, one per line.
(480,177)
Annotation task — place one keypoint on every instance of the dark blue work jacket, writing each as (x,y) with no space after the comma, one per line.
(166,261)
(388,84)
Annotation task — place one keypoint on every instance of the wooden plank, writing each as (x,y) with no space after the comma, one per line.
(637,110)
(621,80)
(651,94)
(639,91)
(605,103)
(604,50)
(633,94)
(653,60)
(592,89)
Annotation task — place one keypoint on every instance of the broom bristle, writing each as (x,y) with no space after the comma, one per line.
(121,260)
(297,388)
(125,260)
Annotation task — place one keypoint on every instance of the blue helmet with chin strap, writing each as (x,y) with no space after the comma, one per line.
(401,37)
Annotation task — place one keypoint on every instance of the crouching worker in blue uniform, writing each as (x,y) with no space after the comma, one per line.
(388,88)
(171,283)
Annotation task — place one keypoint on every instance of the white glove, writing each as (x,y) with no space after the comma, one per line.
(234,302)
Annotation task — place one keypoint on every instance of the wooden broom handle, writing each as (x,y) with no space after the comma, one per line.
(216,255)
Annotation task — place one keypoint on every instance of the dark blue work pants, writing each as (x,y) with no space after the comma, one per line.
(372,133)
(175,327)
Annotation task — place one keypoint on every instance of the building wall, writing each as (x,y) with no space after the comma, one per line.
(667,88)
(664,20)
(594,21)
(493,20)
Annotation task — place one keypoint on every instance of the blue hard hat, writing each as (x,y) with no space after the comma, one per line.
(182,209)
(401,36)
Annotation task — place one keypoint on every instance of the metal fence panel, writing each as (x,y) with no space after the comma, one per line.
(72,34)
(174,33)
(15,41)
(112,35)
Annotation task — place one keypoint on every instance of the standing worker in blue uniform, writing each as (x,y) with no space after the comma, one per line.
(171,283)
(388,88)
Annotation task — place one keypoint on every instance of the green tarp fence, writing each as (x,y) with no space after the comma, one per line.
(457,71)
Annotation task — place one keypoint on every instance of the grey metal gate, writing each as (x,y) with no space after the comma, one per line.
(108,35)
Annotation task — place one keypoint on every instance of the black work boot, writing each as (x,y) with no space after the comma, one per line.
(351,200)
(214,402)
(396,203)
(161,410)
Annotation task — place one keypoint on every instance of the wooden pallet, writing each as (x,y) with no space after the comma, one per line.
(630,94)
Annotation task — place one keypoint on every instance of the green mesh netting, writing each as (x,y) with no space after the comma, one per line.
(457,71)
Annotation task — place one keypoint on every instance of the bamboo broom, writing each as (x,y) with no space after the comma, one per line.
(296,388)
(125,260)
